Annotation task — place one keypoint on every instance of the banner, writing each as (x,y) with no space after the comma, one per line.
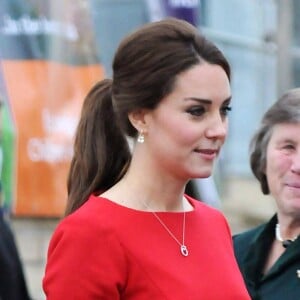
(49,62)
(187,10)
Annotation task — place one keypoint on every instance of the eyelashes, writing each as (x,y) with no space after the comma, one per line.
(226,109)
(198,111)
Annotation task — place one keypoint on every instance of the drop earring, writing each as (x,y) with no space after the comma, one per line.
(141,138)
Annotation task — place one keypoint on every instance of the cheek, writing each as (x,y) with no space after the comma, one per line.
(178,130)
(187,135)
(277,162)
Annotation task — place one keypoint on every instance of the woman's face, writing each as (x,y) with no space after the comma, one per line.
(283,167)
(187,129)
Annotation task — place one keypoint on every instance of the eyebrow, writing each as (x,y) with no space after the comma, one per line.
(286,140)
(206,101)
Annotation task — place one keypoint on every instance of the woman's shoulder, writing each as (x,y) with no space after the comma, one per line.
(81,241)
(202,207)
(89,220)
(209,215)
(248,235)
(244,240)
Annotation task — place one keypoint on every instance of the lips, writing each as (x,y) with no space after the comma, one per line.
(294,185)
(206,151)
(208,154)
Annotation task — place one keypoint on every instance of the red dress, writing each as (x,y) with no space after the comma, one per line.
(107,251)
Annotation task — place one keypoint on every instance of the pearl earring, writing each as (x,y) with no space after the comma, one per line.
(141,138)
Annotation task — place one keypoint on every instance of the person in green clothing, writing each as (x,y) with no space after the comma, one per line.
(12,279)
(269,255)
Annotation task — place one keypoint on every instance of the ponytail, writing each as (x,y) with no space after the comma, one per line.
(101,152)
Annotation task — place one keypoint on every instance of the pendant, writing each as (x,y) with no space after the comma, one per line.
(184,251)
(286,243)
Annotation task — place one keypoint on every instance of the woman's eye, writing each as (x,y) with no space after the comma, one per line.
(196,111)
(225,110)
(288,146)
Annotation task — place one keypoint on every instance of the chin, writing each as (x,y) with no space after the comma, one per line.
(202,174)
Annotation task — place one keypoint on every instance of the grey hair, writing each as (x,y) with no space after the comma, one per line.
(285,110)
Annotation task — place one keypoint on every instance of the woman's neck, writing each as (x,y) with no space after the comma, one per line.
(143,191)
(289,226)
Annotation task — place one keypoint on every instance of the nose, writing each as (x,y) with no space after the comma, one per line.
(296,162)
(217,127)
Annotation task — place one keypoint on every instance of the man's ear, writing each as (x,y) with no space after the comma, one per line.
(138,120)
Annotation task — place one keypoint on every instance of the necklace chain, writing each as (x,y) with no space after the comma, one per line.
(279,238)
(183,249)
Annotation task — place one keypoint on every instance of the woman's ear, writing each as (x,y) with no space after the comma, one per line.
(138,120)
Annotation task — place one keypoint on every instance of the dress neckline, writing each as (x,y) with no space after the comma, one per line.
(120,206)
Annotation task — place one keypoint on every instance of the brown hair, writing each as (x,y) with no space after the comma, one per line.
(145,67)
(284,110)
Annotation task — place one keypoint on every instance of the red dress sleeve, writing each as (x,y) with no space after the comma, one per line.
(84,262)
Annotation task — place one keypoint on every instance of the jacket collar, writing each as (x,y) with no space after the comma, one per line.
(258,251)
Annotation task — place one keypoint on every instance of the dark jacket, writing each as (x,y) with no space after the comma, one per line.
(282,282)
(12,282)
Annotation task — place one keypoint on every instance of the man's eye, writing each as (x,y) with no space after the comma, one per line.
(225,110)
(196,111)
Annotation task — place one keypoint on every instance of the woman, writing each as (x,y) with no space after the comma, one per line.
(269,255)
(130,232)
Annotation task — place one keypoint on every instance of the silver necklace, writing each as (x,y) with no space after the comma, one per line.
(285,243)
(183,248)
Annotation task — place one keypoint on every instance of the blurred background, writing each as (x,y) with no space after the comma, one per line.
(53,51)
